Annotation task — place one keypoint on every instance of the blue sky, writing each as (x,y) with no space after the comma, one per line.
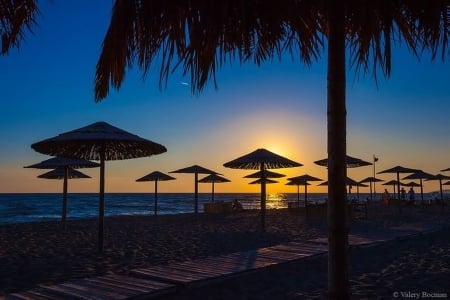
(47,89)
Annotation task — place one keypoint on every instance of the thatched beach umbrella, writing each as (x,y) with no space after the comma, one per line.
(370,180)
(303,180)
(156,176)
(420,175)
(99,141)
(440,177)
(350,183)
(351,162)
(445,170)
(213,178)
(64,164)
(298,184)
(262,159)
(411,184)
(397,170)
(195,169)
(394,183)
(64,173)
(60,173)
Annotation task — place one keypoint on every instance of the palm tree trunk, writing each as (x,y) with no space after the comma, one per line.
(338,286)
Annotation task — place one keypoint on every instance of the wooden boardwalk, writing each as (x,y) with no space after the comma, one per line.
(154,281)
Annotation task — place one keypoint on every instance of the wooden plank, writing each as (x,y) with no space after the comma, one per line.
(251,257)
(107,291)
(66,293)
(131,283)
(184,279)
(33,295)
(156,285)
(308,245)
(249,261)
(207,270)
(114,284)
(179,272)
(282,255)
(311,248)
(228,265)
(290,249)
(211,264)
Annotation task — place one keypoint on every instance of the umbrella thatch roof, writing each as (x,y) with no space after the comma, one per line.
(56,162)
(411,184)
(445,170)
(399,169)
(419,175)
(267,174)
(299,182)
(97,139)
(348,181)
(156,176)
(371,179)
(214,178)
(59,173)
(259,181)
(304,178)
(350,161)
(261,157)
(438,177)
(195,169)
(391,182)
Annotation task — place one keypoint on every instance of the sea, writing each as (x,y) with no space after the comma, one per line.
(30,207)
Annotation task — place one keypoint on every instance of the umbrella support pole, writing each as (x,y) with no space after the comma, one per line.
(101,204)
(64,204)
(306,199)
(156,197)
(196,194)
(263,199)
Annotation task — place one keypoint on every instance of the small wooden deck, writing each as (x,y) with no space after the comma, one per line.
(154,281)
(103,287)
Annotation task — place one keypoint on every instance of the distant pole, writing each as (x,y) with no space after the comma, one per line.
(64,206)
(263,198)
(212,192)
(375,159)
(156,196)
(196,194)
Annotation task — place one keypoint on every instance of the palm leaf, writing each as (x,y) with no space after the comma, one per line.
(15,18)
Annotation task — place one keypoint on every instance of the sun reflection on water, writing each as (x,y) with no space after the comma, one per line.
(276,200)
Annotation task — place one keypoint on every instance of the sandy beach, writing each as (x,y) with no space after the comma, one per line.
(32,254)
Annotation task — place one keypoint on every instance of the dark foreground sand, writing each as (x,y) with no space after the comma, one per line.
(41,253)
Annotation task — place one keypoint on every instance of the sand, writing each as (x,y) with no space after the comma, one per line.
(41,253)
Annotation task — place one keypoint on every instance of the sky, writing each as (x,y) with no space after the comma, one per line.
(47,89)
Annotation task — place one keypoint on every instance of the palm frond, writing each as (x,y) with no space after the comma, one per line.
(15,18)
(199,36)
